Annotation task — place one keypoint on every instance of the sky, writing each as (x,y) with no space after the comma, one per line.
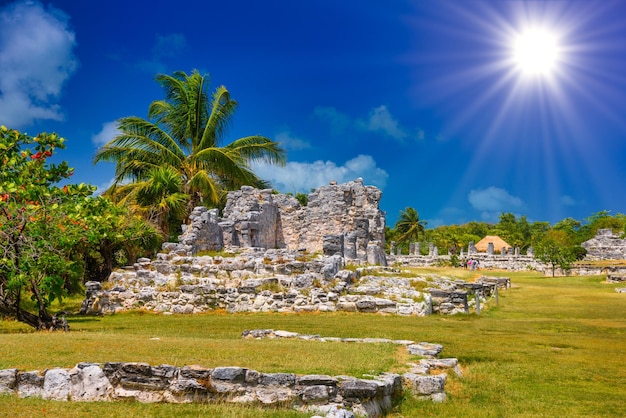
(447,106)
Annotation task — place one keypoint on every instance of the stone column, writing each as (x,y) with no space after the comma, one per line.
(431,247)
(417,249)
(392,247)
(376,254)
(490,249)
(349,249)
(412,248)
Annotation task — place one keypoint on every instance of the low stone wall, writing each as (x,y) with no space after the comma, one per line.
(315,393)
(486,261)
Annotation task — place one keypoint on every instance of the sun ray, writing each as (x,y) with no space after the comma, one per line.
(533,117)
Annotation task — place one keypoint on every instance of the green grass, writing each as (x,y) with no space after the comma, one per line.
(552,348)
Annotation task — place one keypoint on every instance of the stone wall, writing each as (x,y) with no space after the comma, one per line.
(313,393)
(486,261)
(254,218)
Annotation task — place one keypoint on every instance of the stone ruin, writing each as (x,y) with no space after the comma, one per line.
(342,219)
(605,246)
(269,253)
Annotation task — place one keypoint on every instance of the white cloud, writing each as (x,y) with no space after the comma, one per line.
(568,201)
(36,59)
(381,120)
(338,121)
(492,201)
(169,45)
(378,120)
(166,46)
(303,176)
(291,142)
(107,133)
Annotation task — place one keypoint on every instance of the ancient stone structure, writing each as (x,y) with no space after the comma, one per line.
(605,246)
(272,280)
(342,219)
(88,382)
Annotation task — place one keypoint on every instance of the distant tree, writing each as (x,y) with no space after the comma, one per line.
(479,229)
(409,226)
(557,250)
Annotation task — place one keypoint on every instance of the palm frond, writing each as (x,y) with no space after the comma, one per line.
(258,147)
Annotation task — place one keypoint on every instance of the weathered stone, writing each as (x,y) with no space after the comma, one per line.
(29,384)
(233,374)
(425,349)
(426,384)
(316,379)
(89,384)
(56,385)
(278,379)
(183,385)
(358,388)
(8,380)
(315,394)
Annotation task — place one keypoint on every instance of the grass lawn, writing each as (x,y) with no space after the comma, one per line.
(554,347)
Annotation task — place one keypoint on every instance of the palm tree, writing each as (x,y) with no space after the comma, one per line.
(410,225)
(185,133)
(159,197)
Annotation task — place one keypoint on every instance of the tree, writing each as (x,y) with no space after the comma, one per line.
(557,249)
(409,225)
(185,133)
(112,235)
(51,235)
(37,229)
(159,198)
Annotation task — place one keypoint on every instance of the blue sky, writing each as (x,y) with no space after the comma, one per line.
(424,99)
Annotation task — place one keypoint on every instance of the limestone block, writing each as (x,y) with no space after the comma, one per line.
(56,385)
(272,395)
(183,385)
(232,374)
(425,384)
(29,384)
(316,379)
(278,379)
(358,388)
(315,394)
(425,349)
(89,384)
(8,380)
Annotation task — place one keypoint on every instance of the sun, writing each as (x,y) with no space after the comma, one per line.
(536,52)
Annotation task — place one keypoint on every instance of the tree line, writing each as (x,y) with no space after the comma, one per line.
(558,244)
